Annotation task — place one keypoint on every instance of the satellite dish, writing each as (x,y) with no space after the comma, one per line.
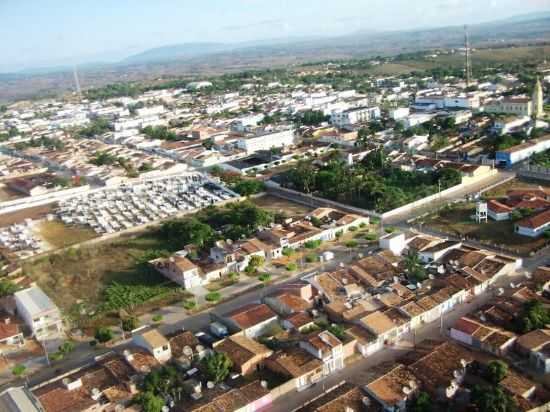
(199,348)
(406,390)
(187,351)
(463,363)
(165,409)
(264,384)
(210,384)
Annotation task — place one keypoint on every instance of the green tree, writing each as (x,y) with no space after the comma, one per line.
(414,268)
(534,316)
(19,370)
(496,371)
(248,187)
(103,334)
(7,288)
(492,399)
(216,366)
(422,403)
(150,402)
(130,323)
(188,230)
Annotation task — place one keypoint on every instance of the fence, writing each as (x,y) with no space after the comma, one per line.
(535,172)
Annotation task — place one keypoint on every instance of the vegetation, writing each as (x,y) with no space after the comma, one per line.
(248,187)
(371,184)
(160,133)
(216,366)
(337,330)
(492,399)
(157,318)
(496,371)
(352,244)
(188,230)
(213,296)
(291,267)
(422,403)
(312,244)
(150,402)
(45,142)
(7,288)
(18,370)
(312,118)
(189,304)
(534,316)
(264,277)
(288,251)
(130,323)
(102,158)
(413,267)
(96,128)
(103,334)
(311,258)
(541,159)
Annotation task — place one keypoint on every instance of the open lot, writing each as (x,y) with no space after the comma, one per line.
(515,184)
(58,235)
(275,204)
(101,279)
(34,213)
(456,220)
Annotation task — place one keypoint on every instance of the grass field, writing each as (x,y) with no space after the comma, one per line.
(456,221)
(102,278)
(516,184)
(59,235)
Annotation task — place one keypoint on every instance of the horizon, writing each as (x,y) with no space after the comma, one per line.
(62,33)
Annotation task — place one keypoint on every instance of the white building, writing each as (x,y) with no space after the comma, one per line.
(354,116)
(508,124)
(520,106)
(39,313)
(399,113)
(266,141)
(416,119)
(395,242)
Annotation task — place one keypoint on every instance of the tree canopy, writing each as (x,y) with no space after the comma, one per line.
(216,366)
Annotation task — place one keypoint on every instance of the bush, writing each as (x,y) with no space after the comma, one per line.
(157,318)
(18,370)
(233,275)
(352,228)
(103,334)
(312,258)
(264,277)
(312,244)
(288,251)
(352,243)
(129,324)
(65,348)
(363,225)
(389,229)
(93,343)
(189,304)
(291,267)
(338,234)
(213,296)
(371,236)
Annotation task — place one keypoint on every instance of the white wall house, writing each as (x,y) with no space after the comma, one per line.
(154,343)
(39,313)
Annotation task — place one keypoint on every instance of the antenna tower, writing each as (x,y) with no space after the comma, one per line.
(77,83)
(468,60)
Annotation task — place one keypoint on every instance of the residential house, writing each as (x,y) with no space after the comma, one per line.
(251,320)
(326,347)
(536,345)
(246,354)
(10,334)
(19,399)
(393,388)
(346,397)
(297,364)
(155,343)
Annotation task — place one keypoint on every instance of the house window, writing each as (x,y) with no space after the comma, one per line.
(165,348)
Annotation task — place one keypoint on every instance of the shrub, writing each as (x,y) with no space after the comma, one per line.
(65,348)
(57,356)
(189,304)
(352,243)
(233,275)
(291,267)
(103,334)
(338,234)
(312,244)
(130,324)
(363,225)
(389,229)
(288,251)
(213,296)
(312,258)
(264,277)
(157,318)
(352,228)
(371,236)
(93,343)
(18,370)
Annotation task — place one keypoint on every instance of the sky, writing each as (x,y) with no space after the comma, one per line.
(43,33)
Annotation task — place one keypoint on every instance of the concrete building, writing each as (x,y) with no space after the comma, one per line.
(39,313)
(515,154)
(154,343)
(520,106)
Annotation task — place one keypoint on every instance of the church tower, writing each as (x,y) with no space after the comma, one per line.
(538,107)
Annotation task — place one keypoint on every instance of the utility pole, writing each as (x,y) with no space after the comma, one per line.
(468,61)
(77,83)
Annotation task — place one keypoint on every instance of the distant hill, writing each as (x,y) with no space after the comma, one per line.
(176,51)
(191,59)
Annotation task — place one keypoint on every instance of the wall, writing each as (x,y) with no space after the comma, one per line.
(313,201)
(283,389)
(535,172)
